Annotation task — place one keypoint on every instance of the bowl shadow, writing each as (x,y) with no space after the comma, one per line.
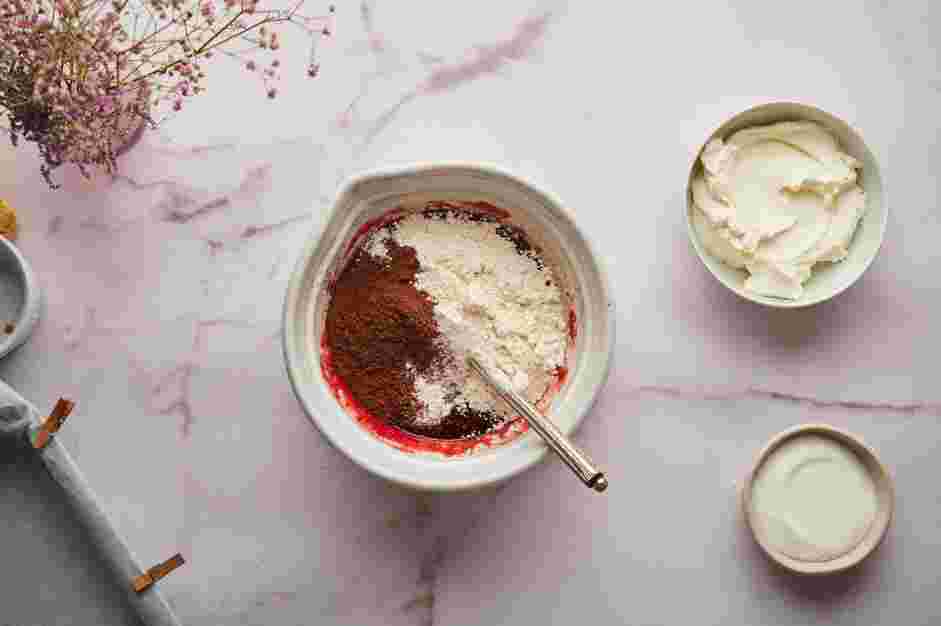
(820,591)
(783,328)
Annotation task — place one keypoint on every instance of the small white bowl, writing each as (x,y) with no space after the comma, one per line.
(828,279)
(20,299)
(885,494)
(546,222)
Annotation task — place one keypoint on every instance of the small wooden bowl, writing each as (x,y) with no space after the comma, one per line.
(885,494)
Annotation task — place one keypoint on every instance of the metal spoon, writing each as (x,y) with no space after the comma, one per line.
(577,460)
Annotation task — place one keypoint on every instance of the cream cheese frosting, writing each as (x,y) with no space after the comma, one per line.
(776,200)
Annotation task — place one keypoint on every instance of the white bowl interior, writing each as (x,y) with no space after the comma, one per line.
(885,493)
(828,279)
(19,297)
(547,225)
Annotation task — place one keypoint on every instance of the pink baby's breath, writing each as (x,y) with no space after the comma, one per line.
(78,77)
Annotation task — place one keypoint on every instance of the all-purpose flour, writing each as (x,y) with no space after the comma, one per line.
(491,295)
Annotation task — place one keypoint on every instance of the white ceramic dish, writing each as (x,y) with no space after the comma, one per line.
(20,300)
(885,494)
(828,279)
(545,221)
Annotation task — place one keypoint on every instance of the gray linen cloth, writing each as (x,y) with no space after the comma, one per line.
(17,417)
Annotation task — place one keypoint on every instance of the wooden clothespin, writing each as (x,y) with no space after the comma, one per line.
(53,423)
(155,573)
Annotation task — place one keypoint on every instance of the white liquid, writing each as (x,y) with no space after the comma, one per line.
(813,499)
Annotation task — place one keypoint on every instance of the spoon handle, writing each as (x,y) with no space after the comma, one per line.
(575,458)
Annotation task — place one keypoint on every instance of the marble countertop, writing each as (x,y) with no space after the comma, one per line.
(164,285)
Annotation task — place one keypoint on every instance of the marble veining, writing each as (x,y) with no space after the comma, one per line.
(164,286)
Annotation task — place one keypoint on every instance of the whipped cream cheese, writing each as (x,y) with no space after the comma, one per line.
(813,499)
(776,200)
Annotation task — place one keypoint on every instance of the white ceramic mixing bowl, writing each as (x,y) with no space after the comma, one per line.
(548,225)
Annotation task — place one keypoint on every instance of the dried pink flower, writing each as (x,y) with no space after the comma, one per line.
(129,67)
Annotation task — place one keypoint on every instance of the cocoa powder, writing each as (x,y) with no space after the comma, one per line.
(381,331)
